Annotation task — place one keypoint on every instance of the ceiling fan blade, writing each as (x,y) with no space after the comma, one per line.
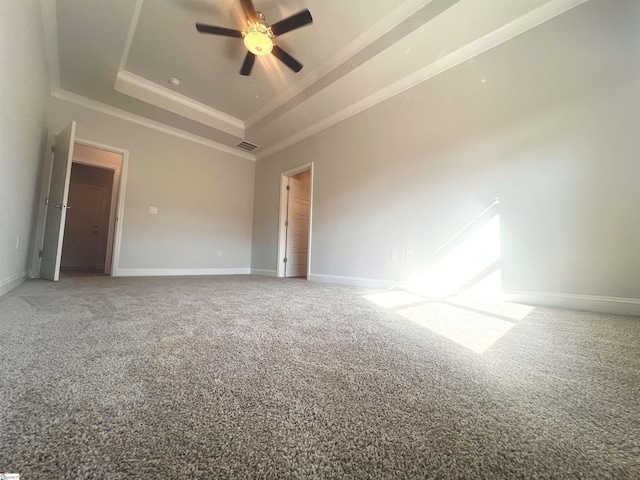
(287,59)
(298,20)
(249,9)
(227,32)
(247,65)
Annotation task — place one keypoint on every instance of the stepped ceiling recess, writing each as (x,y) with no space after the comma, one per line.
(120,56)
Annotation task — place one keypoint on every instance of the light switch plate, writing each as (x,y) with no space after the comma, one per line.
(153,210)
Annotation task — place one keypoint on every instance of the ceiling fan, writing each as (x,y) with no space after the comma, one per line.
(258,36)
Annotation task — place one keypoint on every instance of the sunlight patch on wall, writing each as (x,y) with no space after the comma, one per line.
(464,266)
(473,330)
(488,288)
(460,297)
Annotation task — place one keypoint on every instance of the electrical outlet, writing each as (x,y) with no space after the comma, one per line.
(153,210)
(219,253)
(408,256)
(18,243)
(394,255)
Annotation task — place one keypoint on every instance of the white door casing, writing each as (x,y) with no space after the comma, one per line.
(57,203)
(117,196)
(297,223)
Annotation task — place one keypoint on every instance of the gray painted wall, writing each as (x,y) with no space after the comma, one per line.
(23,91)
(204,197)
(547,123)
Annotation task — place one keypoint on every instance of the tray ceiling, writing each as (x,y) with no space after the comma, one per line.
(356,53)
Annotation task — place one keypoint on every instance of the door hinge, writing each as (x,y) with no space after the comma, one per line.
(285,260)
(40,254)
(286,224)
(46,201)
(53,149)
(288,187)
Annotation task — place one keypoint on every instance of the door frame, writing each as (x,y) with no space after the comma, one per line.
(117,194)
(282,230)
(119,210)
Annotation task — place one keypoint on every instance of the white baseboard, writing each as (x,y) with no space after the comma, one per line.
(614,305)
(263,272)
(354,281)
(10,283)
(178,272)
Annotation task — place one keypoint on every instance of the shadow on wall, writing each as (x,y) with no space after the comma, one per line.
(459,295)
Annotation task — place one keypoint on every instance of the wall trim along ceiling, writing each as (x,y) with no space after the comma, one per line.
(137,87)
(493,39)
(145,122)
(282,112)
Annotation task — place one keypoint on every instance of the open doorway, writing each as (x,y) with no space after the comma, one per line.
(86,230)
(89,229)
(294,245)
(98,168)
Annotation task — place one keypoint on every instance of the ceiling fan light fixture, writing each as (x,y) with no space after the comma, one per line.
(258,36)
(257,39)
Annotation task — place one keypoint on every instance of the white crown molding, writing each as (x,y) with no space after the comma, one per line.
(132,32)
(10,283)
(135,86)
(510,30)
(138,87)
(145,122)
(179,272)
(50,32)
(353,281)
(595,303)
(405,10)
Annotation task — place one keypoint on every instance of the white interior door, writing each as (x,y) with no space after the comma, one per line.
(297,243)
(57,203)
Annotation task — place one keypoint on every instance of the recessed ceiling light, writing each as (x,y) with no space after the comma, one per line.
(174,81)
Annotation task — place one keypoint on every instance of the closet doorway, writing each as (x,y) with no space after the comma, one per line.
(91,218)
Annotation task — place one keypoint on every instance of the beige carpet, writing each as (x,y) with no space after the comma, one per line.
(251,377)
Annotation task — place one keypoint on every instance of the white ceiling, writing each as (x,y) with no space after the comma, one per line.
(121,53)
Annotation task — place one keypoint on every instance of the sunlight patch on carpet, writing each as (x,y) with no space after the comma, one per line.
(473,330)
(396,298)
(510,311)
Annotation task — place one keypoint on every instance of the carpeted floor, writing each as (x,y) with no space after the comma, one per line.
(252,377)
